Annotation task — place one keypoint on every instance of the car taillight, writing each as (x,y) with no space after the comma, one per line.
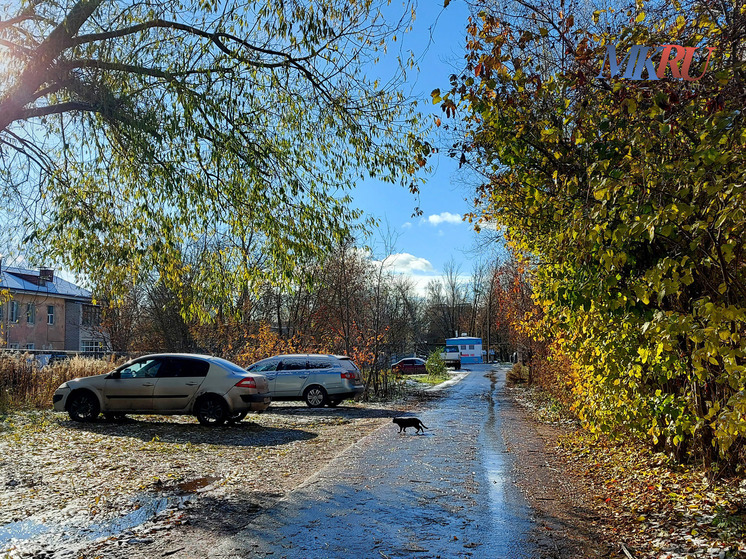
(348,375)
(247,382)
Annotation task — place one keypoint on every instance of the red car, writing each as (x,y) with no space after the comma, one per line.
(410,366)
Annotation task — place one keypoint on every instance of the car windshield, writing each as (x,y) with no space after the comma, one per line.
(264,366)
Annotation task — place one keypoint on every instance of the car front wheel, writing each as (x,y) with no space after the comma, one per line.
(211,411)
(315,396)
(83,407)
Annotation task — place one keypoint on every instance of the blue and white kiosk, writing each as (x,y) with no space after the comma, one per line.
(469,348)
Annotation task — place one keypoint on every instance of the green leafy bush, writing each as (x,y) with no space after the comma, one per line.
(436,367)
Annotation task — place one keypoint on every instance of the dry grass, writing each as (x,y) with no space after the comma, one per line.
(518,374)
(23,385)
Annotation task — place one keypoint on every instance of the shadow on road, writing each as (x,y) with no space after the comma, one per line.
(245,433)
(341,411)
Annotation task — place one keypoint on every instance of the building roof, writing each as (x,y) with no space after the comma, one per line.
(464,339)
(28,281)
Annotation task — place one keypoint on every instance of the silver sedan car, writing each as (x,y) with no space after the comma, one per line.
(211,388)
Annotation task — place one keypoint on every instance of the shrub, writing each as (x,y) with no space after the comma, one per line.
(518,374)
(436,367)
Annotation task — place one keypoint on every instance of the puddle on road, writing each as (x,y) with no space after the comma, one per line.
(32,533)
(22,530)
(148,508)
(196,484)
(509,511)
(493,459)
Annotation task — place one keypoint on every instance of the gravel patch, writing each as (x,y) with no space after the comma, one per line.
(79,490)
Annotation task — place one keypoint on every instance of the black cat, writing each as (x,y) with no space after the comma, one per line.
(404,422)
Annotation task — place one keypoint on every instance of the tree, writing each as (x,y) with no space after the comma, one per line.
(447,306)
(129,128)
(627,199)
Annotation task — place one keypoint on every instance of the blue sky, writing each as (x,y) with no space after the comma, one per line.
(426,243)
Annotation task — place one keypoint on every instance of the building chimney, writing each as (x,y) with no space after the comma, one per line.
(46,274)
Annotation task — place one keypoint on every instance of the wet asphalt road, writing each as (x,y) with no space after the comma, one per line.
(448,493)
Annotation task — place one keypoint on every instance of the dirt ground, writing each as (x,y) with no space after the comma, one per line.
(566,514)
(156,486)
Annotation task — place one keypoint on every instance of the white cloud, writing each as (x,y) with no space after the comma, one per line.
(405,263)
(407,225)
(444,217)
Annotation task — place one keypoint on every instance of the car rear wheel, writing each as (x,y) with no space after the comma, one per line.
(315,396)
(83,407)
(211,411)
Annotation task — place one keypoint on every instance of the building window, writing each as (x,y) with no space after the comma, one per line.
(91,346)
(471,346)
(30,313)
(13,312)
(91,315)
(12,346)
(50,314)
(29,346)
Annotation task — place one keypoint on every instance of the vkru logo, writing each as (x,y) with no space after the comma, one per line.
(640,58)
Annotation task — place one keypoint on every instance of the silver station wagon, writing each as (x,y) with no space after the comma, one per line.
(317,379)
(211,388)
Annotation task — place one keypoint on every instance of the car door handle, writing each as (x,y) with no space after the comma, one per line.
(148,384)
(302,376)
(192,383)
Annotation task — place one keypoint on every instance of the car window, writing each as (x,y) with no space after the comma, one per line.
(183,367)
(348,365)
(147,368)
(229,365)
(319,364)
(292,364)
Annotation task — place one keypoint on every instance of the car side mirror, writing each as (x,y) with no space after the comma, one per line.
(115,374)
